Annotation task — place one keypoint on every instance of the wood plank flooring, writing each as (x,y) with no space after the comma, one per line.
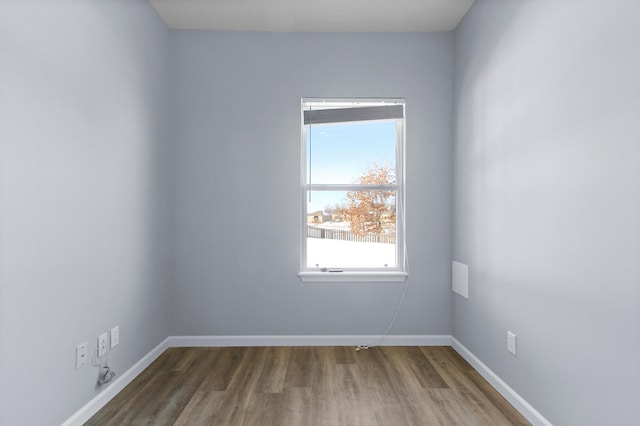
(323,386)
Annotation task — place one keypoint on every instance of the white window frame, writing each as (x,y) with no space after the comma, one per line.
(397,274)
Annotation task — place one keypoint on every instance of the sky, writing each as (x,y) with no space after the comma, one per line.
(340,153)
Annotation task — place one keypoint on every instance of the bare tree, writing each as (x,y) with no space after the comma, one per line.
(367,211)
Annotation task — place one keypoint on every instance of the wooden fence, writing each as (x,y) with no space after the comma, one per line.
(346,235)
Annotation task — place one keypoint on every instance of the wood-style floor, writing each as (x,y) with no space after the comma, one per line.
(330,386)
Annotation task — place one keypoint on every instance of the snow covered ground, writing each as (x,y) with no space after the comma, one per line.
(349,254)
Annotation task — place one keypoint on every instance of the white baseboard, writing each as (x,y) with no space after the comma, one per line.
(299,340)
(519,403)
(100,400)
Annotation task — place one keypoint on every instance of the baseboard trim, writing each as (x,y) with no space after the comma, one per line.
(299,340)
(518,402)
(101,399)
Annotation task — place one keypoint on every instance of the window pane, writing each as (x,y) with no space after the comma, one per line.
(351,229)
(339,153)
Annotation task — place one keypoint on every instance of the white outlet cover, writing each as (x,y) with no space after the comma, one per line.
(115,336)
(81,355)
(102,344)
(511,342)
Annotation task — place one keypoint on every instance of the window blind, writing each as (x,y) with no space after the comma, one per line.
(342,115)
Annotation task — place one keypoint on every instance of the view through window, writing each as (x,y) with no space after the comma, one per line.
(352,184)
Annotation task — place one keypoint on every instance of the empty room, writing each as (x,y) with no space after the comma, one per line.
(289,212)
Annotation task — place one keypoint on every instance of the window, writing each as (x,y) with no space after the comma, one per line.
(352,186)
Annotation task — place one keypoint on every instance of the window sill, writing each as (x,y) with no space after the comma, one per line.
(353,277)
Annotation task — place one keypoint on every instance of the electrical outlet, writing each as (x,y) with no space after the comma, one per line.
(115,336)
(81,355)
(102,344)
(511,342)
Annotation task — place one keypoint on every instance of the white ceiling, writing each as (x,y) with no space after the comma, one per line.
(313,15)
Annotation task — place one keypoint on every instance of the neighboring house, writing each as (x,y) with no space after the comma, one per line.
(318,217)
(337,217)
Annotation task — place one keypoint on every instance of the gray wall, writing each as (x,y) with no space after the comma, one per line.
(84,149)
(237,202)
(547,207)
(547,202)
